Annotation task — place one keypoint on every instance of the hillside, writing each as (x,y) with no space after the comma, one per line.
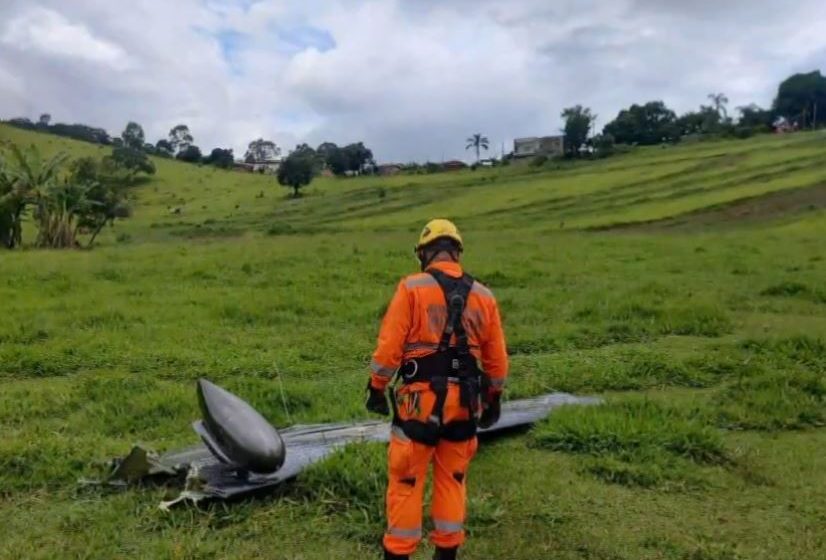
(649,184)
(684,284)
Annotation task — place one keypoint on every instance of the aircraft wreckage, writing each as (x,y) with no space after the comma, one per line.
(241,453)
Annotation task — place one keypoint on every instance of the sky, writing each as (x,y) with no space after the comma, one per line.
(411,78)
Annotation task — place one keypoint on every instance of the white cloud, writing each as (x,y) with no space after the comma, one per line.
(51,34)
(410,78)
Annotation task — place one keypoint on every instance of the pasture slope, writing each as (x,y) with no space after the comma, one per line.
(669,280)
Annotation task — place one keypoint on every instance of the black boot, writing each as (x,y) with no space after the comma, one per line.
(445,553)
(390,556)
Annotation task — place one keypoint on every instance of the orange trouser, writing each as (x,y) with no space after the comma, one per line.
(408,462)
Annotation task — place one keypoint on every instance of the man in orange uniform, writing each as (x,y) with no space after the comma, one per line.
(438,327)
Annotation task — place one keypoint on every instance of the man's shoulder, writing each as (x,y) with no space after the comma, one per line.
(418,280)
(481,290)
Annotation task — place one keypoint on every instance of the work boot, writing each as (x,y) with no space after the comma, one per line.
(445,553)
(390,556)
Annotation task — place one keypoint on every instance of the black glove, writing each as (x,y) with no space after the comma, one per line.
(377,401)
(491,410)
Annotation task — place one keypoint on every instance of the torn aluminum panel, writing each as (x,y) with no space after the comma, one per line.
(216,474)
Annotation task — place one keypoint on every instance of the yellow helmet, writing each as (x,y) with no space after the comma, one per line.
(439,229)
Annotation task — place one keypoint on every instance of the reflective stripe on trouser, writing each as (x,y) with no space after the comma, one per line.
(408,462)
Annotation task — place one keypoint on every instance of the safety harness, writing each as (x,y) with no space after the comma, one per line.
(448,364)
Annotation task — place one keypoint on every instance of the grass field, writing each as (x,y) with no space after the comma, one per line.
(708,341)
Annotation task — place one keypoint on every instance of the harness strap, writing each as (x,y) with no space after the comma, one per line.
(445,361)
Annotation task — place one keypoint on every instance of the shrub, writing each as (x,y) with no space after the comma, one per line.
(539,161)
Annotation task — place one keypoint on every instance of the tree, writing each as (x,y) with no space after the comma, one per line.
(603,145)
(325,152)
(262,150)
(477,142)
(358,156)
(578,122)
(164,148)
(180,138)
(719,101)
(25,177)
(754,116)
(338,162)
(801,99)
(44,120)
(133,136)
(221,158)
(132,161)
(706,120)
(297,170)
(107,197)
(647,124)
(190,154)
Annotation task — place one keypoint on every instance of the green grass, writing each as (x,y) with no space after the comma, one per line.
(710,345)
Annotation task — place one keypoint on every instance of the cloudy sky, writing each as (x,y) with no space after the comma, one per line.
(412,78)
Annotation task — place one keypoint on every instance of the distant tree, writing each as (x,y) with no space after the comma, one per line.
(477,142)
(325,152)
(106,195)
(801,99)
(603,145)
(164,148)
(651,123)
(297,170)
(149,148)
(754,116)
(190,154)
(578,122)
(262,150)
(220,157)
(358,157)
(22,122)
(705,121)
(180,138)
(719,101)
(133,136)
(25,177)
(44,120)
(338,161)
(132,161)
(305,150)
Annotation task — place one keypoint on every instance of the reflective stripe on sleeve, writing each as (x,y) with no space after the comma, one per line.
(447,526)
(381,370)
(481,289)
(419,281)
(421,346)
(406,533)
(497,383)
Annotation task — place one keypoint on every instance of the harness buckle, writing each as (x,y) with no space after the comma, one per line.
(411,375)
(454,364)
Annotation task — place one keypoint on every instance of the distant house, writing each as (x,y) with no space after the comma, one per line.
(782,126)
(269,166)
(539,146)
(454,165)
(389,169)
(241,166)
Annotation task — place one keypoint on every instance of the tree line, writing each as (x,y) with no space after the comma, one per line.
(352,159)
(797,103)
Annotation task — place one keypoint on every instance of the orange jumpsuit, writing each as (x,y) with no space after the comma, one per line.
(412,327)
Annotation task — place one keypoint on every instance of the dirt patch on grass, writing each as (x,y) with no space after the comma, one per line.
(756,209)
